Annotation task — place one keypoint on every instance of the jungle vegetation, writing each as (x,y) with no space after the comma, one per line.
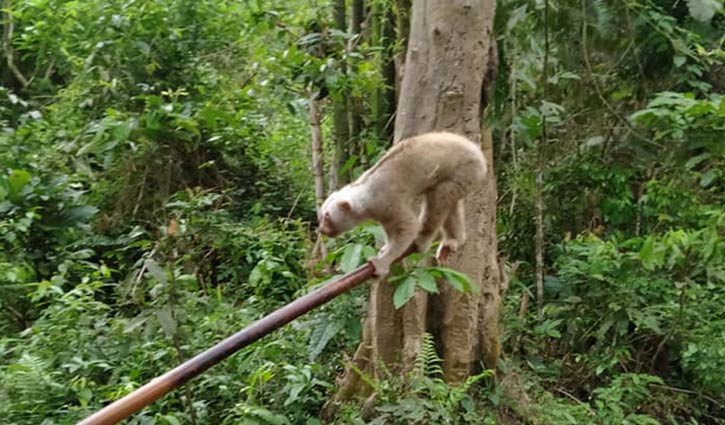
(157,194)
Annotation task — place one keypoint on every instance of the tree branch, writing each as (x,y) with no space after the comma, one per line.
(7,45)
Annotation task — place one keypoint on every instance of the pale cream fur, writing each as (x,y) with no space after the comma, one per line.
(437,168)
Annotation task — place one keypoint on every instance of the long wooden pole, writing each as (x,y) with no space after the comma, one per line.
(132,403)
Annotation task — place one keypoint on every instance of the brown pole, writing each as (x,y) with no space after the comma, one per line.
(132,403)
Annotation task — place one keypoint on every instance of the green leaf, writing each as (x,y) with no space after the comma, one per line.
(404,292)
(256,275)
(77,214)
(294,393)
(171,420)
(167,322)
(678,60)
(515,17)
(265,415)
(16,181)
(134,323)
(84,396)
(427,282)
(156,271)
(321,336)
(646,254)
(459,280)
(692,162)
(708,177)
(703,10)
(350,257)
(348,164)
(369,252)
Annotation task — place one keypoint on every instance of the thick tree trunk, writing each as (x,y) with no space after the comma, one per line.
(340,115)
(317,162)
(540,170)
(402,25)
(318,171)
(446,67)
(384,36)
(354,105)
(445,70)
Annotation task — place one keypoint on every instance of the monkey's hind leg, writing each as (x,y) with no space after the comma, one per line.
(454,232)
(399,235)
(440,203)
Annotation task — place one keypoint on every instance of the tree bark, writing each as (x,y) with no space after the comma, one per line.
(383,104)
(402,25)
(354,104)
(446,68)
(318,171)
(317,163)
(540,161)
(340,115)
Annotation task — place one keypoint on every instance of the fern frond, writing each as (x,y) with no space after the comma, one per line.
(427,362)
(602,18)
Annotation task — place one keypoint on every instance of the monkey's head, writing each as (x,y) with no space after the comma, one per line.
(336,216)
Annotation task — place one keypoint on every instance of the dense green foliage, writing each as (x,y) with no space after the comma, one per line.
(156,195)
(634,223)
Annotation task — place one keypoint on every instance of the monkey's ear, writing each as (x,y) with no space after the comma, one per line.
(345,206)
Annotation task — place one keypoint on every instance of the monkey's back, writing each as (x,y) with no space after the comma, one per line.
(414,165)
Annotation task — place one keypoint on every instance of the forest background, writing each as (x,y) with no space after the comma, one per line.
(156,195)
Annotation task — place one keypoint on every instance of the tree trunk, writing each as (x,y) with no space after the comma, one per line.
(383,104)
(317,162)
(402,25)
(446,69)
(354,104)
(340,115)
(540,170)
(318,171)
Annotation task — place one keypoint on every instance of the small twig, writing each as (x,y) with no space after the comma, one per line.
(524,306)
(141,271)
(660,346)
(18,316)
(140,191)
(176,338)
(49,71)
(568,394)
(294,205)
(691,392)
(506,275)
(512,130)
(7,45)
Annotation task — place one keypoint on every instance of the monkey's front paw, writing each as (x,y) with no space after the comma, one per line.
(445,249)
(381,266)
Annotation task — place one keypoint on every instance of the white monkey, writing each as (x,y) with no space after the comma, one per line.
(439,168)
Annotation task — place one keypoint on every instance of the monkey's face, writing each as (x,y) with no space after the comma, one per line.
(327,225)
(335,218)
